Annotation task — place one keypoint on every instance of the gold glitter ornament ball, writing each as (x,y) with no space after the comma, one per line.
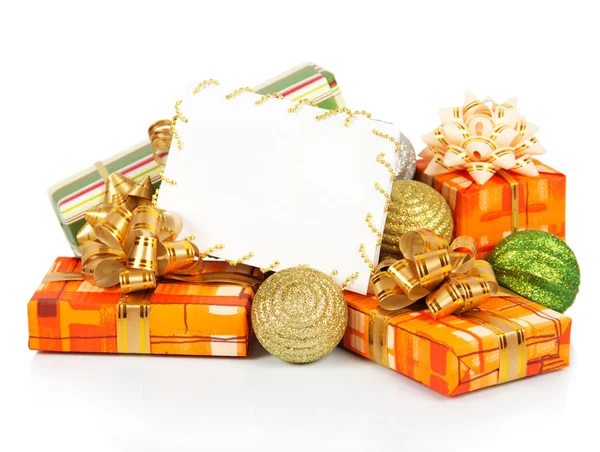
(538,266)
(299,314)
(414,205)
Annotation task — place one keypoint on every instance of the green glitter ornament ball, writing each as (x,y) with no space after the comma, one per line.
(538,266)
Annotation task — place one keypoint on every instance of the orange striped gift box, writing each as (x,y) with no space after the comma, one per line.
(506,203)
(177,318)
(505,339)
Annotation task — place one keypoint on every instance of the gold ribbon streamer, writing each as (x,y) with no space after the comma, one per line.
(449,277)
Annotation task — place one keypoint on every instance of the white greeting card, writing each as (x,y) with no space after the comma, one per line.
(284,188)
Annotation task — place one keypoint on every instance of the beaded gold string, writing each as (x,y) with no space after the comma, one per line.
(180,117)
(268,96)
(244,89)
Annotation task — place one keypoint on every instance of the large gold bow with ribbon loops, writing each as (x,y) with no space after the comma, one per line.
(482,137)
(128,241)
(449,277)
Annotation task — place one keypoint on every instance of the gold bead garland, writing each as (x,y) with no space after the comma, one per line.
(241,259)
(212,249)
(270,267)
(301,102)
(239,91)
(268,96)
(204,84)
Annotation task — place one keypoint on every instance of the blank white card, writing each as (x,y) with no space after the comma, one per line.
(282,186)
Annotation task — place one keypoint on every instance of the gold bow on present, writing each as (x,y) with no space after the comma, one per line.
(482,137)
(128,241)
(449,277)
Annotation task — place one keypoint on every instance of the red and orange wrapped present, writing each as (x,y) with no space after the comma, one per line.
(481,159)
(504,339)
(177,317)
(438,316)
(138,289)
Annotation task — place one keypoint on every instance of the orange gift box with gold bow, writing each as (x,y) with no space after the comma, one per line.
(482,159)
(138,289)
(439,316)
(175,318)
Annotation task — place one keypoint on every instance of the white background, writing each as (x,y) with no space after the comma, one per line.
(81,82)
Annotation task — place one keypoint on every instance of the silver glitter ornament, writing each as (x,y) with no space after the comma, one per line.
(407,160)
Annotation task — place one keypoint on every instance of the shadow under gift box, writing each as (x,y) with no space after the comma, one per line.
(490,212)
(76,195)
(505,339)
(176,318)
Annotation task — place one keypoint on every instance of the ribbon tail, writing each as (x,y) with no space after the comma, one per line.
(238,279)
(62,276)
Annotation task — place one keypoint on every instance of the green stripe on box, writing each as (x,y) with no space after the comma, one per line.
(328,76)
(328,104)
(88,179)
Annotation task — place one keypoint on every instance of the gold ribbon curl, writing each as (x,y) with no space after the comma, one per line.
(160,136)
(449,277)
(129,241)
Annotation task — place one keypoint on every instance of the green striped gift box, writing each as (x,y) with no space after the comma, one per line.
(74,196)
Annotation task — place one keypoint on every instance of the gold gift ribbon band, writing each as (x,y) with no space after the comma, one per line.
(514,189)
(512,343)
(379,320)
(133,322)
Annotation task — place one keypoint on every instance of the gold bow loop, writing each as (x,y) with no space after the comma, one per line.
(449,277)
(128,241)
(160,134)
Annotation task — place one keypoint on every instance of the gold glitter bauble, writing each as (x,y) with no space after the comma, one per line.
(414,205)
(299,314)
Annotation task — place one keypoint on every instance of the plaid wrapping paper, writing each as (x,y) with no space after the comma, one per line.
(456,354)
(184,319)
(484,212)
(74,196)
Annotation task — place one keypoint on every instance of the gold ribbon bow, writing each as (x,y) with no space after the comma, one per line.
(482,137)
(449,277)
(128,241)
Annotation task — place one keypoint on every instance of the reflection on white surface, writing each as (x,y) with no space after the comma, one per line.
(167,403)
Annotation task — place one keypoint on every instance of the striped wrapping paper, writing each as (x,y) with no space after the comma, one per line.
(74,196)
(184,319)
(485,212)
(458,353)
